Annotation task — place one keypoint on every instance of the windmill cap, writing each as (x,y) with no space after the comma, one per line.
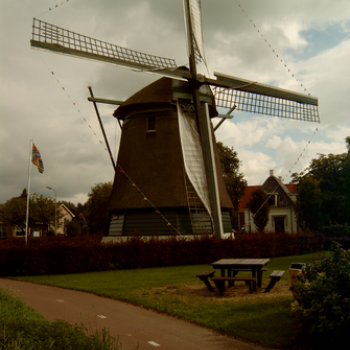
(162,93)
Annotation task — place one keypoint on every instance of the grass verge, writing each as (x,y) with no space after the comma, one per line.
(176,291)
(23,328)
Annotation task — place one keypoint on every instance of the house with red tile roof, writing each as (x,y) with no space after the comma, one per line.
(281,198)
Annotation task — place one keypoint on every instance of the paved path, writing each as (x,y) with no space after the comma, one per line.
(133,324)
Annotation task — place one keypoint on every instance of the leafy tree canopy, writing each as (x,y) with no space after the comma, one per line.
(330,187)
(308,205)
(234,180)
(258,206)
(41,210)
(96,207)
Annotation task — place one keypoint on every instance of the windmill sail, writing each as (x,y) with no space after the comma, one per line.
(46,36)
(193,156)
(250,96)
(193,26)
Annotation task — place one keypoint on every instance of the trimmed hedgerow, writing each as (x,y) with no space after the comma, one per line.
(85,254)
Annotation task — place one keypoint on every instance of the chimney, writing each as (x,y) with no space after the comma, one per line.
(271,173)
(280,178)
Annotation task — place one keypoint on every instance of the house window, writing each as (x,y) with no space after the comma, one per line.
(151,124)
(19,232)
(279,223)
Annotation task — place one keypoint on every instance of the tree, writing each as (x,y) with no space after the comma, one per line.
(259,208)
(73,228)
(96,207)
(229,159)
(41,210)
(347,141)
(308,204)
(332,174)
(13,213)
(234,180)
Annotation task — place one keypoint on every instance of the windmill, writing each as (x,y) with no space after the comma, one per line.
(193,98)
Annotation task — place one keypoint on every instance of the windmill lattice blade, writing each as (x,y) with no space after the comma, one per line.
(263,104)
(46,36)
(196,20)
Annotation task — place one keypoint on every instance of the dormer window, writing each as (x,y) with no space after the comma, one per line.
(151,124)
(272,199)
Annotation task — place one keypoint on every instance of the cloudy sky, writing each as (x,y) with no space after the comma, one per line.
(44,95)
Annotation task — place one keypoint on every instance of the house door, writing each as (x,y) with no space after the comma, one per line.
(279,224)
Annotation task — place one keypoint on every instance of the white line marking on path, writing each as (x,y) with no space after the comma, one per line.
(60,301)
(101,316)
(153,343)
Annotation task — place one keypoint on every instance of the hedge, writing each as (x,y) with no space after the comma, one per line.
(63,255)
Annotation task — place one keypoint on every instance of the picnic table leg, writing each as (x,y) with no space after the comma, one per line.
(223,275)
(230,283)
(260,272)
(254,275)
(234,274)
(259,277)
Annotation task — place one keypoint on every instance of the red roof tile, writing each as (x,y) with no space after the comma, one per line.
(246,198)
(292,188)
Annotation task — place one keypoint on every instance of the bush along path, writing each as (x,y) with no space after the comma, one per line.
(322,299)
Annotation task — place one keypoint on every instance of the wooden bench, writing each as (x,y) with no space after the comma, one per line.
(204,276)
(220,282)
(275,277)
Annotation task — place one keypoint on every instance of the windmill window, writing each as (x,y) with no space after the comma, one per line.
(151,124)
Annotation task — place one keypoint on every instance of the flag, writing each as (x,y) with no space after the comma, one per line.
(36,159)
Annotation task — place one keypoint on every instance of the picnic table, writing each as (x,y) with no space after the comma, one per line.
(230,267)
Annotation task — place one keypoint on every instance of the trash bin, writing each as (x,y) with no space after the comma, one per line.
(294,269)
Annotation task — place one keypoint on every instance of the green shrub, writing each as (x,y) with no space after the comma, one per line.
(322,297)
(73,228)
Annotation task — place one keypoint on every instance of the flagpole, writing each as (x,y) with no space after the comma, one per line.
(28,189)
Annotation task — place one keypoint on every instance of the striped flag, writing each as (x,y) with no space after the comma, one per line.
(36,159)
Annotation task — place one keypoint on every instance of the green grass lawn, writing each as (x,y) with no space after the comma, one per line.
(176,291)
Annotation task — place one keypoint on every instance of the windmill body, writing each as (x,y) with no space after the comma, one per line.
(154,147)
(160,152)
